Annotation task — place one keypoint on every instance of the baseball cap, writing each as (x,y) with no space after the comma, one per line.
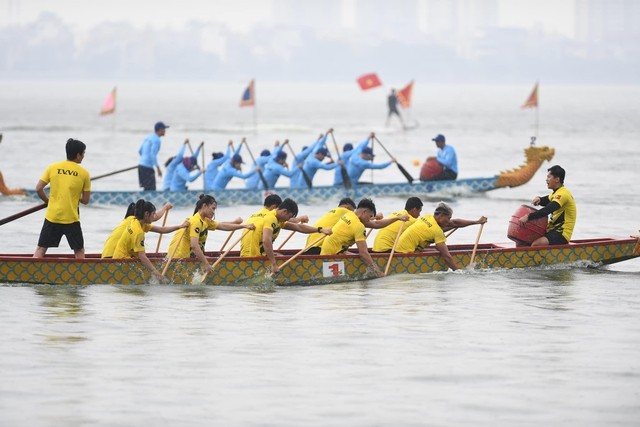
(237,158)
(439,138)
(217,155)
(323,151)
(265,153)
(160,125)
(281,155)
(347,147)
(368,150)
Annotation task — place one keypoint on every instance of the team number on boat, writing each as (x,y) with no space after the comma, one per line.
(332,269)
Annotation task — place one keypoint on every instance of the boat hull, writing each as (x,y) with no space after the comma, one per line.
(308,270)
(230,197)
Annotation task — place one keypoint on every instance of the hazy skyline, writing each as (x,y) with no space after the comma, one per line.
(553,16)
(455,41)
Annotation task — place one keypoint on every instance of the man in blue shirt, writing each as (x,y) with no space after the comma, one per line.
(232,168)
(447,158)
(275,168)
(362,159)
(149,157)
(312,164)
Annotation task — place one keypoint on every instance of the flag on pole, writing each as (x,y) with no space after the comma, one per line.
(369,81)
(248,96)
(532,100)
(404,95)
(109,106)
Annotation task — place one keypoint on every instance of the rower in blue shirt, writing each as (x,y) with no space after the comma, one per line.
(275,168)
(232,168)
(261,162)
(187,171)
(214,165)
(315,162)
(362,160)
(298,180)
(171,164)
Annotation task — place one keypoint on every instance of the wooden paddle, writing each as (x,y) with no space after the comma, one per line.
(310,245)
(221,257)
(173,252)
(23,213)
(164,222)
(286,240)
(403,170)
(304,174)
(393,249)
(264,181)
(346,180)
(450,232)
(475,247)
(114,172)
(44,205)
(227,241)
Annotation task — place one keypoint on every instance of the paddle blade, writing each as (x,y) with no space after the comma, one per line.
(405,173)
(346,179)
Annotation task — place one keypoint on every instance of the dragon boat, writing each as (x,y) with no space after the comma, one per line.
(309,269)
(534,157)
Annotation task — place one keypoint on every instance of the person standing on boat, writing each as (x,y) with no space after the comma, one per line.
(148,151)
(191,244)
(268,223)
(186,172)
(112,240)
(131,243)
(171,164)
(217,160)
(560,205)
(350,229)
(392,102)
(70,185)
(426,230)
(446,158)
(359,162)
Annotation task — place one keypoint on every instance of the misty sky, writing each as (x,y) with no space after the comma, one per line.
(553,16)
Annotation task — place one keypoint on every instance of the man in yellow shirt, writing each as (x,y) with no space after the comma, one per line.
(328,220)
(268,223)
(350,229)
(387,236)
(428,229)
(70,185)
(561,205)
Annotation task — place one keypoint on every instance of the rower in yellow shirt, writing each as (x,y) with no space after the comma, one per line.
(131,243)
(328,220)
(428,229)
(112,240)
(268,223)
(191,244)
(386,237)
(350,229)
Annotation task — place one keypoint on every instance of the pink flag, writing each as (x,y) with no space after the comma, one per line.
(109,106)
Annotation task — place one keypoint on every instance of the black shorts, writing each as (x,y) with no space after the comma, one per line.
(555,238)
(313,251)
(146,178)
(52,233)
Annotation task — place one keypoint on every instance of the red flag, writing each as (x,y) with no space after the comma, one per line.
(109,105)
(404,95)
(369,81)
(532,100)
(248,96)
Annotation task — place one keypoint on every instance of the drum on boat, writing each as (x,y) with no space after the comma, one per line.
(429,169)
(533,229)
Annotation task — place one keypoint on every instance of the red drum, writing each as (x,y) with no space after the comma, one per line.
(430,168)
(533,229)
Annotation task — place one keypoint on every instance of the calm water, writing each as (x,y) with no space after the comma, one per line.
(531,347)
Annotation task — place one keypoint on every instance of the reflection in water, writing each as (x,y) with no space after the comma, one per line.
(61,303)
